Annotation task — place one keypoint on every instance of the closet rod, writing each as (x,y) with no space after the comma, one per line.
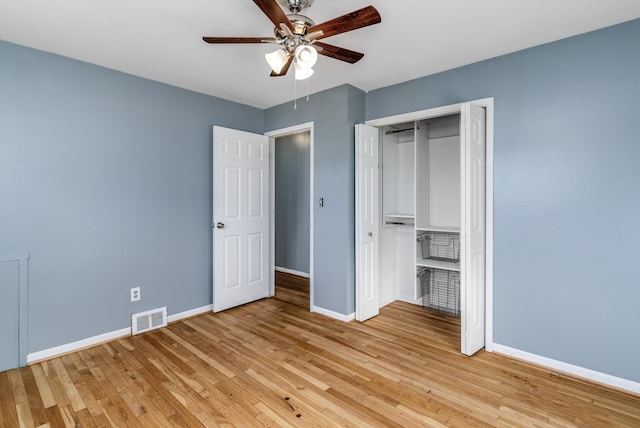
(399,223)
(395,131)
(445,136)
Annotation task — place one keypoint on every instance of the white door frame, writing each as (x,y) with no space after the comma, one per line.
(296,129)
(22,258)
(487,103)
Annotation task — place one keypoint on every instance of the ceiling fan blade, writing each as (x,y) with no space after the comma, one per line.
(284,70)
(236,39)
(339,53)
(274,12)
(351,21)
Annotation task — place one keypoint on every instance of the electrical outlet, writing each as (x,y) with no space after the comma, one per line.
(135,294)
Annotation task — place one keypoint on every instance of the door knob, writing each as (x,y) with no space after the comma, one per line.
(220,225)
(370,233)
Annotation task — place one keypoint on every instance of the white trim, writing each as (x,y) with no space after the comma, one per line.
(75,346)
(390,300)
(190,313)
(488,104)
(332,314)
(419,115)
(22,257)
(571,369)
(292,272)
(57,351)
(296,129)
(417,302)
(272,216)
(488,333)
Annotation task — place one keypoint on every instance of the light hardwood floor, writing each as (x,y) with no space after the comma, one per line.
(272,363)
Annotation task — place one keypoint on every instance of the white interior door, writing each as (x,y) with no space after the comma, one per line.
(240,217)
(472,230)
(367,240)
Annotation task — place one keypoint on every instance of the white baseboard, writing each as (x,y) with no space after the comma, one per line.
(417,302)
(335,315)
(191,313)
(386,302)
(560,366)
(292,272)
(57,351)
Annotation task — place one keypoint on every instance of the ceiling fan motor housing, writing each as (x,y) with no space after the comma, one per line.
(300,23)
(291,40)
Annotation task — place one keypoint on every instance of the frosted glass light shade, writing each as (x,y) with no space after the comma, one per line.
(277,60)
(306,56)
(302,72)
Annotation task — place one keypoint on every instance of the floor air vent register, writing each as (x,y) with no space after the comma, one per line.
(148,320)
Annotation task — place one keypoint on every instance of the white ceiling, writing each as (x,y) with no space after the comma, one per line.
(161,39)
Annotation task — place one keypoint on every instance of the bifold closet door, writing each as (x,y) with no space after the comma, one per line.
(472,228)
(367,219)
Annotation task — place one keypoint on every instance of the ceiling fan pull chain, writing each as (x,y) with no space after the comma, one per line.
(295,94)
(307,90)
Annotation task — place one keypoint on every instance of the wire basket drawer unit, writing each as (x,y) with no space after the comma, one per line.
(444,246)
(440,290)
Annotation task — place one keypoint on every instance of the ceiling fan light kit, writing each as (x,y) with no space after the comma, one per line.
(277,60)
(305,57)
(298,36)
(301,72)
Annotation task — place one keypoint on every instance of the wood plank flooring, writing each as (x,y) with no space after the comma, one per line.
(272,363)
(293,289)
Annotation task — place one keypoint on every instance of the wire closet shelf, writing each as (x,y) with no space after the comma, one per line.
(443,246)
(440,287)
(440,290)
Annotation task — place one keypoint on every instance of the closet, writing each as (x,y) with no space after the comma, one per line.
(420,195)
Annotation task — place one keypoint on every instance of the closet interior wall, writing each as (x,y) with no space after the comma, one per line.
(420,190)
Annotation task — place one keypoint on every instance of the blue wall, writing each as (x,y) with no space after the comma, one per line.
(334,113)
(106,179)
(567,192)
(292,176)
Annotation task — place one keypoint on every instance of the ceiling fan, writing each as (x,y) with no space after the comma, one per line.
(298,36)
